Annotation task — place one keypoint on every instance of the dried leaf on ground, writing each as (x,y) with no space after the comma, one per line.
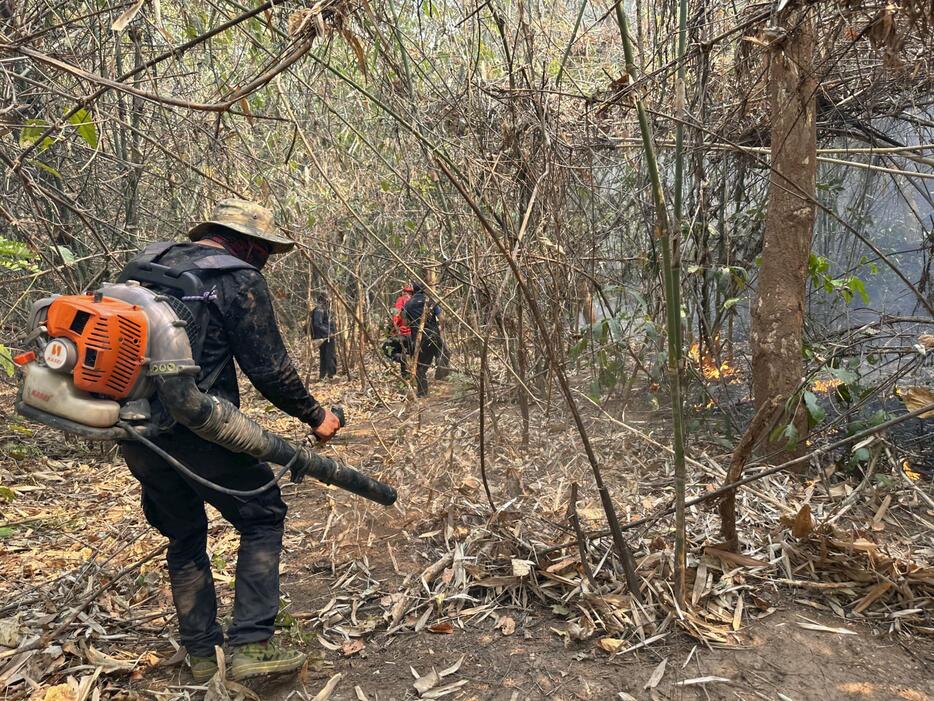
(328,688)
(803,522)
(507,624)
(703,680)
(427,682)
(59,692)
(826,629)
(917,398)
(11,632)
(442,691)
(352,647)
(448,671)
(521,568)
(108,664)
(657,675)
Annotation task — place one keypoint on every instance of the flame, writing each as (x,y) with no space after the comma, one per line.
(823,386)
(709,368)
(909,473)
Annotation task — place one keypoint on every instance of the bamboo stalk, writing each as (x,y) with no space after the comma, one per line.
(672,283)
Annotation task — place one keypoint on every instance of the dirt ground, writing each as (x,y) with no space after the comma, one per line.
(343,550)
(778,660)
(775,658)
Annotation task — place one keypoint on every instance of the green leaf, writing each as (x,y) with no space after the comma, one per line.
(86,128)
(6,361)
(815,410)
(67,256)
(577,348)
(730,303)
(6,532)
(790,434)
(7,494)
(46,167)
(30,134)
(15,255)
(854,284)
(845,376)
(595,390)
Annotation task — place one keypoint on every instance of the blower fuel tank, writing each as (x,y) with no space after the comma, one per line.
(55,393)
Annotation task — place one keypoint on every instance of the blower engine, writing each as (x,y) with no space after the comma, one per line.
(99,358)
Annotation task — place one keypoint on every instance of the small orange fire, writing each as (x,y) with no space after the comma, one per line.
(909,473)
(709,368)
(825,385)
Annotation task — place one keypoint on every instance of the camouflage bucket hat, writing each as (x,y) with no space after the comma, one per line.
(244,217)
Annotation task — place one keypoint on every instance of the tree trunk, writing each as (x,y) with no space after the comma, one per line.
(778,312)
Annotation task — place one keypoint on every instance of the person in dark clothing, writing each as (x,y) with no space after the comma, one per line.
(423,316)
(323,329)
(241,327)
(399,345)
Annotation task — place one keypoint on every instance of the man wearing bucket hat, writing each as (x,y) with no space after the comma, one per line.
(237,322)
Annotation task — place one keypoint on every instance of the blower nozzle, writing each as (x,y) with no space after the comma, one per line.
(218,421)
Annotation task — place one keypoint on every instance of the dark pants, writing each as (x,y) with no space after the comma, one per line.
(429,349)
(328,360)
(397,349)
(175,506)
(443,362)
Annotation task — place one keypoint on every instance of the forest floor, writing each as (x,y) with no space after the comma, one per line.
(440,583)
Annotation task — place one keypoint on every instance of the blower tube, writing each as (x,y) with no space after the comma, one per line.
(217,420)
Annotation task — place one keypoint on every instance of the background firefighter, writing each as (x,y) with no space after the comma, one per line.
(422,314)
(399,345)
(324,330)
(241,325)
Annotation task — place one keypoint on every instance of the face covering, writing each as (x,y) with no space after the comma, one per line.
(247,249)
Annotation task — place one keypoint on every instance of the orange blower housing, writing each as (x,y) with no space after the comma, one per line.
(111,337)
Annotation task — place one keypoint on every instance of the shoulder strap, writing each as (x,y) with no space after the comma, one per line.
(188,286)
(222,262)
(154,251)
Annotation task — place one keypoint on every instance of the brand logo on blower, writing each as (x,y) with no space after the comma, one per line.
(55,355)
(41,396)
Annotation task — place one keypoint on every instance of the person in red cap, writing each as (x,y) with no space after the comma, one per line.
(399,345)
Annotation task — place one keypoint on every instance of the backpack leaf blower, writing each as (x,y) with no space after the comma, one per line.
(98,359)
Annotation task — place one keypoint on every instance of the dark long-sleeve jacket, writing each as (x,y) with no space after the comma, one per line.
(242,326)
(417,306)
(321,324)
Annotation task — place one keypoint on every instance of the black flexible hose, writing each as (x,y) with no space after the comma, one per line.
(198,478)
(217,420)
